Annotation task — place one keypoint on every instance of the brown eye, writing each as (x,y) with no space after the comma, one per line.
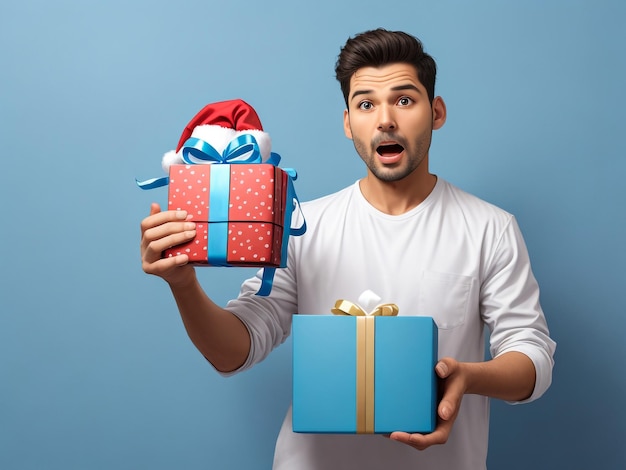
(404,101)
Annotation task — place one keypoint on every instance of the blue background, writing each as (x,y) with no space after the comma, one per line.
(96,370)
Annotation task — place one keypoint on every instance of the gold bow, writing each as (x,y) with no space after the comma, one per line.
(345,307)
(365,334)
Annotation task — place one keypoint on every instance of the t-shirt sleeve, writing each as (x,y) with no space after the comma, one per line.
(511,309)
(267,318)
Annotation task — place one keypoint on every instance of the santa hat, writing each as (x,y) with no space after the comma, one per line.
(218,124)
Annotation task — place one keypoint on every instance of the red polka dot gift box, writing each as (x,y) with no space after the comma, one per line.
(239,211)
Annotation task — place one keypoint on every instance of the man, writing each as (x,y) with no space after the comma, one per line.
(409,236)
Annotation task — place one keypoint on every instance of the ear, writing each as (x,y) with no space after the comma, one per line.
(346,124)
(439,112)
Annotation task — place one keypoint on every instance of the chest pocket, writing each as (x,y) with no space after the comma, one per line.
(445,297)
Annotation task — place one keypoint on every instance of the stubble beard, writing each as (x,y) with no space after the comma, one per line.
(397,171)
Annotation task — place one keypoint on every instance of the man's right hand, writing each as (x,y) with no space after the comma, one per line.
(160,231)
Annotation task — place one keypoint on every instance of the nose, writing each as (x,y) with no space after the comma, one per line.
(386,121)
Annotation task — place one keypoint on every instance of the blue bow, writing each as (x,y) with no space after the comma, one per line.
(243,149)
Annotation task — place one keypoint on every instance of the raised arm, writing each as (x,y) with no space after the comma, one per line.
(218,334)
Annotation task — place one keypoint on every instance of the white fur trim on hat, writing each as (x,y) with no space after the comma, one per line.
(171,158)
(219,137)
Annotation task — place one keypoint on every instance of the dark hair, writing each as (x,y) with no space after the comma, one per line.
(380,47)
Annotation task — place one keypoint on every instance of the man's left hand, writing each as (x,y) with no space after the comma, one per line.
(454,386)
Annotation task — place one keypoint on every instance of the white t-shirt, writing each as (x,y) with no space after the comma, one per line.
(455,258)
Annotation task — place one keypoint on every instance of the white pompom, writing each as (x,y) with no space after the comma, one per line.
(369,300)
(171,158)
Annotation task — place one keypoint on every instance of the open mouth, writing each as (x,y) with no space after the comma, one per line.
(389,150)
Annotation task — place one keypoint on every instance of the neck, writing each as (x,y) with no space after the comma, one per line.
(397,197)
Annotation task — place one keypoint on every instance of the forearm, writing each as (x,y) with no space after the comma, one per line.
(217,333)
(510,377)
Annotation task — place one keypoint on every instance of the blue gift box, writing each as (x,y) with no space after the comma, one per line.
(363,374)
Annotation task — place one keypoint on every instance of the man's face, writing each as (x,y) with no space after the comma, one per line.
(390,120)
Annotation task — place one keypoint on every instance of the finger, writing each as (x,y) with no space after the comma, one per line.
(423,441)
(159,218)
(166,229)
(445,367)
(446,409)
(155,241)
(154,248)
(178,232)
(148,221)
(450,402)
(163,265)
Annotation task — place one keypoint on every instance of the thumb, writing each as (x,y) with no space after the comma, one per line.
(154,208)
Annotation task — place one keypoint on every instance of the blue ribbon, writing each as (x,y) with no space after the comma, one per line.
(243,149)
(218,215)
(267,280)
(153,182)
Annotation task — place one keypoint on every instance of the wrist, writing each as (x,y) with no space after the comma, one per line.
(471,372)
(185,279)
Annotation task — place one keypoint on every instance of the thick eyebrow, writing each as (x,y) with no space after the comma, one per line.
(407,87)
(395,88)
(359,92)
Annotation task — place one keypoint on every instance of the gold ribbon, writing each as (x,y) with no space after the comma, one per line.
(345,307)
(365,333)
